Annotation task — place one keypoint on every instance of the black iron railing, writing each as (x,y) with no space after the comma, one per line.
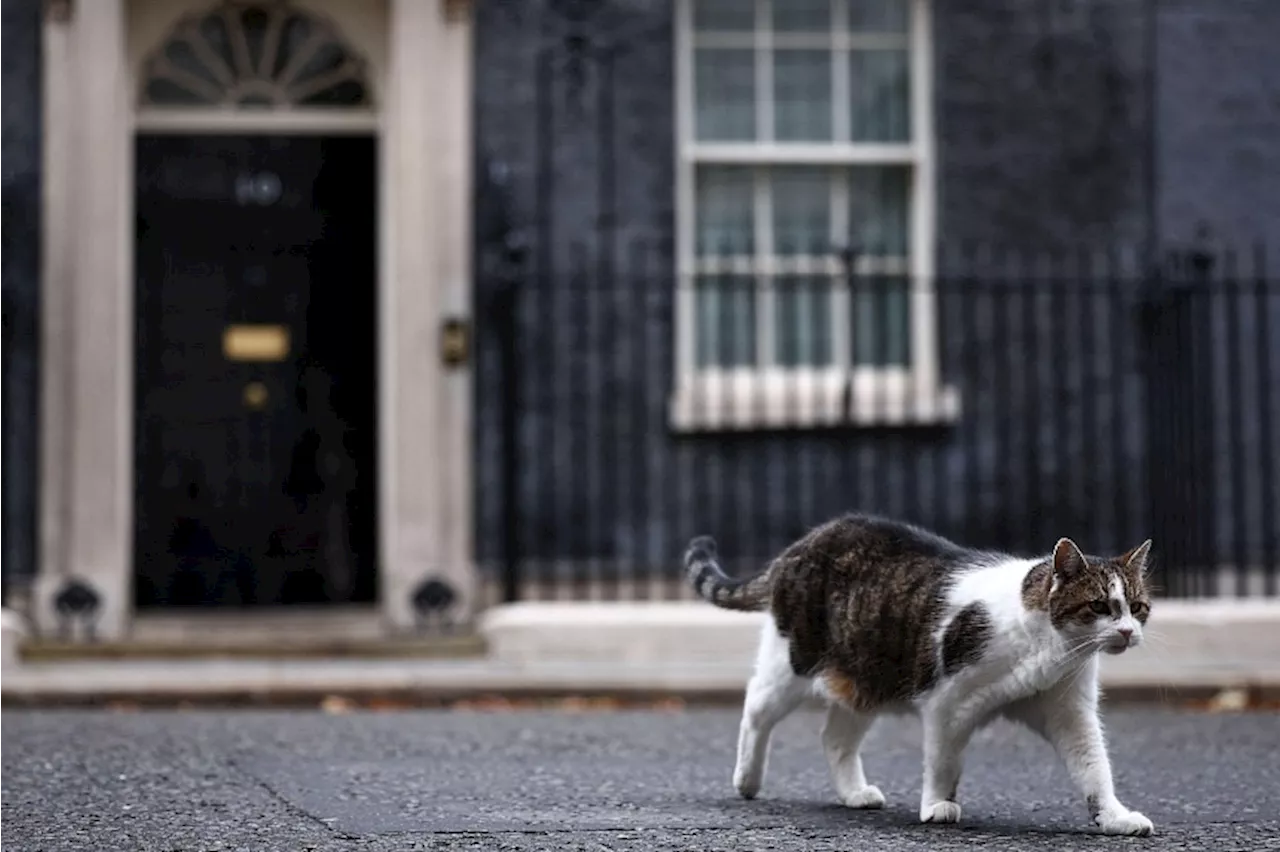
(5,431)
(1007,399)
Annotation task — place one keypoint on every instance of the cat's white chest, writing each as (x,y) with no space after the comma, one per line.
(1038,672)
(1024,654)
(1013,669)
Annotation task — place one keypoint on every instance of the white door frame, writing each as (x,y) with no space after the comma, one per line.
(423,123)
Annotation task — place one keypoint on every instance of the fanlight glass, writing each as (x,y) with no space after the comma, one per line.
(243,55)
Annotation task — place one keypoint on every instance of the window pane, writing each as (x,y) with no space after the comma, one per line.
(881,326)
(726,321)
(724,15)
(879,199)
(879,88)
(801,210)
(725,94)
(161,91)
(810,16)
(802,310)
(802,95)
(255,22)
(725,217)
(213,29)
(879,16)
(184,58)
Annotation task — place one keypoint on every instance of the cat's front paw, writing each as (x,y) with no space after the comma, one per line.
(940,812)
(1124,822)
(746,782)
(868,798)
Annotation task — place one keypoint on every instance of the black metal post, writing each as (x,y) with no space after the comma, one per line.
(5,366)
(511,380)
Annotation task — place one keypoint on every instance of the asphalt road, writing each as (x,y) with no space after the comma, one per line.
(290,780)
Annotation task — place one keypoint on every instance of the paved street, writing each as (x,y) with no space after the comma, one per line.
(288,780)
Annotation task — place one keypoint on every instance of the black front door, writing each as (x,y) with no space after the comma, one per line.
(255,453)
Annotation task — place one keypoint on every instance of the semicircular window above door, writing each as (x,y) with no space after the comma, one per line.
(245,55)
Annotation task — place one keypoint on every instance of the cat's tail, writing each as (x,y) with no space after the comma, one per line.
(715,586)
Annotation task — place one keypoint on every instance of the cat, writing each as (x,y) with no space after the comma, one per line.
(873,616)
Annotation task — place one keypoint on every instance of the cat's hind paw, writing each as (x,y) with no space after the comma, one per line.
(940,812)
(1129,823)
(868,798)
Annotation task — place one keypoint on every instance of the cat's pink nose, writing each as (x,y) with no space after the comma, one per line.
(1126,632)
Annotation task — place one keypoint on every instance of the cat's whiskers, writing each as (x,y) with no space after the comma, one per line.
(1088,644)
(1078,671)
(1161,640)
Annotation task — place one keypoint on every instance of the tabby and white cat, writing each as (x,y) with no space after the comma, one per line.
(875,616)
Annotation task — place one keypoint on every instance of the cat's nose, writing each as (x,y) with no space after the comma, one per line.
(1126,632)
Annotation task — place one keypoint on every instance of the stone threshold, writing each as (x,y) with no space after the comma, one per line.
(315,632)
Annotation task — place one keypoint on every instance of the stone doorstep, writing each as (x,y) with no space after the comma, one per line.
(1188,642)
(304,632)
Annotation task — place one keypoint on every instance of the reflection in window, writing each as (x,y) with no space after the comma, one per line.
(254,54)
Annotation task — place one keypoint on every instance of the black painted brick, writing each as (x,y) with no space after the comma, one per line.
(1043,144)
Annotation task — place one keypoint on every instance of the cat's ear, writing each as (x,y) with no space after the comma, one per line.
(1068,561)
(1136,559)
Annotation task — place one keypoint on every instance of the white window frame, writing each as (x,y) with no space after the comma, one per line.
(744,398)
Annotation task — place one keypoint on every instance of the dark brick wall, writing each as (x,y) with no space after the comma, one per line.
(1219,108)
(582,207)
(1219,183)
(1043,147)
(1041,110)
(21,239)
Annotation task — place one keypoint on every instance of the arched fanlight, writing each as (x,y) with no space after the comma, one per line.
(244,54)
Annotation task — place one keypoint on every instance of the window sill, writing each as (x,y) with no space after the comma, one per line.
(750,400)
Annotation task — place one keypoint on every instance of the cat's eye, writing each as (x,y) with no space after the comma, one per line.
(1101,607)
(1138,608)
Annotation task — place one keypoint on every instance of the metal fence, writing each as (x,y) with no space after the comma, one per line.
(5,360)
(622,411)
